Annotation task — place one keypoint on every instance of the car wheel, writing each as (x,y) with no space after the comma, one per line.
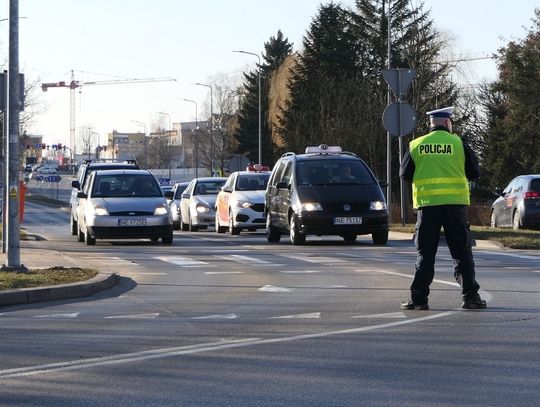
(272,234)
(184,226)
(232,229)
(493,220)
(154,239)
(90,241)
(296,237)
(192,228)
(167,239)
(176,225)
(80,235)
(74,227)
(380,237)
(349,238)
(516,222)
(219,228)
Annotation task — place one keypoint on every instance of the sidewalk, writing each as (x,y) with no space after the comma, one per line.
(34,258)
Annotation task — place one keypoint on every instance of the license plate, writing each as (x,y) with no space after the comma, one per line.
(348,220)
(131,222)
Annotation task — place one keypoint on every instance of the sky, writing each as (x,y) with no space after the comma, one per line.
(192,41)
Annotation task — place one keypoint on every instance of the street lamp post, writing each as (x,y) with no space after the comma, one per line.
(211,126)
(196,139)
(144,139)
(259,79)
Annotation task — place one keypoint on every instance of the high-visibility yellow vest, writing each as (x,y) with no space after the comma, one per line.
(439,176)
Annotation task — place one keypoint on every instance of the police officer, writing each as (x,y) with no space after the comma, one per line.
(439,166)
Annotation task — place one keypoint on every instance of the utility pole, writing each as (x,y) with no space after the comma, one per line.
(13,255)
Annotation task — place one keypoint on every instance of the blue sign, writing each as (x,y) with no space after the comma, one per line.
(53,178)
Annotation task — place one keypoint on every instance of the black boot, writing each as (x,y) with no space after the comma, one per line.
(473,302)
(410,305)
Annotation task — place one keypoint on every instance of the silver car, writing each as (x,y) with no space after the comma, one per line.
(174,203)
(198,203)
(123,204)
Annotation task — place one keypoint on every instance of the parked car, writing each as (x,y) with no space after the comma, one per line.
(174,202)
(315,194)
(87,167)
(198,203)
(240,203)
(123,204)
(518,205)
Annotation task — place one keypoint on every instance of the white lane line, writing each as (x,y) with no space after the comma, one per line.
(225,316)
(183,261)
(536,271)
(72,315)
(314,259)
(134,316)
(149,273)
(299,271)
(223,272)
(312,315)
(196,349)
(394,273)
(2,313)
(516,268)
(273,289)
(387,315)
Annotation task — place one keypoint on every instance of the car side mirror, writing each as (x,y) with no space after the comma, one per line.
(282,185)
(169,194)
(498,192)
(76,184)
(81,194)
(185,195)
(226,189)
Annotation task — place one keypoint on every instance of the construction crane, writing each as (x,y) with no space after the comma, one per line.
(74,84)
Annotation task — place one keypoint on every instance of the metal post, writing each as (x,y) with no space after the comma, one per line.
(13,232)
(388,136)
(211,126)
(5,166)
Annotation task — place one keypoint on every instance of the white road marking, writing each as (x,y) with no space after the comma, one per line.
(394,273)
(72,315)
(134,316)
(338,286)
(183,261)
(273,289)
(536,271)
(196,349)
(246,259)
(313,259)
(520,256)
(387,315)
(225,316)
(223,272)
(299,271)
(149,273)
(312,315)
(516,268)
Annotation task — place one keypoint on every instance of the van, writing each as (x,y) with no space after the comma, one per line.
(324,192)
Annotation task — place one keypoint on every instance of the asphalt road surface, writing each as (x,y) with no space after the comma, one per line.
(219,320)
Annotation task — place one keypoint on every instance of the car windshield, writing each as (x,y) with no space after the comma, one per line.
(179,191)
(252,182)
(208,187)
(126,185)
(333,172)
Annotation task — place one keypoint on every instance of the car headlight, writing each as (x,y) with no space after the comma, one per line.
(241,204)
(201,208)
(161,209)
(100,210)
(377,206)
(311,206)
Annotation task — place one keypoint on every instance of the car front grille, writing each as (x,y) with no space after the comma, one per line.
(258,207)
(131,213)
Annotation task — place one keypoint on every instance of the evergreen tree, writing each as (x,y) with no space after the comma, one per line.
(275,51)
(511,139)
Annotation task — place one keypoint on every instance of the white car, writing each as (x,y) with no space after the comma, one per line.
(240,203)
(123,204)
(198,203)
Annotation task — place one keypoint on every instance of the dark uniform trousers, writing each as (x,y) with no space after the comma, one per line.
(453,219)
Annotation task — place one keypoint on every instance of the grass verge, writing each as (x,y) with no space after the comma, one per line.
(514,239)
(44,277)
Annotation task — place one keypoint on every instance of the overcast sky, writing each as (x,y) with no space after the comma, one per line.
(193,41)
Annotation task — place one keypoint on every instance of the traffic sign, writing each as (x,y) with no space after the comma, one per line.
(399,80)
(399,119)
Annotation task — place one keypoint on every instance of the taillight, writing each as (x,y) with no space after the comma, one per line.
(531,195)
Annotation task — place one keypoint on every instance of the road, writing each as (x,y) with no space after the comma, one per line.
(218,320)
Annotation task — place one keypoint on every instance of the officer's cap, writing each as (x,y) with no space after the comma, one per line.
(444,112)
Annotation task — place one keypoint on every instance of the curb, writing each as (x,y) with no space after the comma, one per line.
(101,282)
